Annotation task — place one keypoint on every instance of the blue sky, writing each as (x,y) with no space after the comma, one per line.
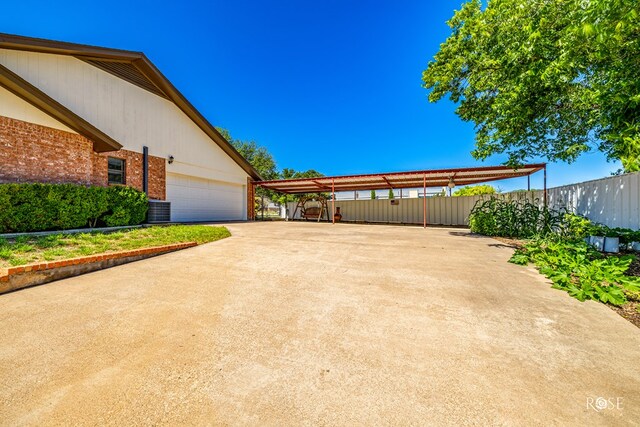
(331,85)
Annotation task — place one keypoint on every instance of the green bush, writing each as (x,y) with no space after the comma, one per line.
(474,190)
(127,206)
(39,207)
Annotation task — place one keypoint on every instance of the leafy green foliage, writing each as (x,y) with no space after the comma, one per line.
(576,226)
(63,246)
(293,174)
(258,156)
(391,195)
(474,190)
(580,270)
(550,79)
(373,194)
(38,207)
(506,217)
(127,205)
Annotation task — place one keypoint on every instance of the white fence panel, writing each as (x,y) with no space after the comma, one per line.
(614,201)
(440,210)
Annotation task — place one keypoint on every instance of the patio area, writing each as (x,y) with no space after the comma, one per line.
(289,323)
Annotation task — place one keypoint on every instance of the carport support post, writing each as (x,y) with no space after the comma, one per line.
(545,185)
(333,201)
(424,201)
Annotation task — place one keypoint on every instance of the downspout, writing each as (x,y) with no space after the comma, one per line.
(145,170)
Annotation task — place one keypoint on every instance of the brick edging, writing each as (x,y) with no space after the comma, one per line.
(7,273)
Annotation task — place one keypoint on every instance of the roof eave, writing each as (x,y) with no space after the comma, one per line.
(146,67)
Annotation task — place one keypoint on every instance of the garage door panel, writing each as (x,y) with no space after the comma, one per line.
(196,199)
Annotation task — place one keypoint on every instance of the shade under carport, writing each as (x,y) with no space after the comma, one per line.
(397,180)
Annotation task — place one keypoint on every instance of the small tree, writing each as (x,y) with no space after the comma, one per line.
(475,190)
(373,194)
(391,195)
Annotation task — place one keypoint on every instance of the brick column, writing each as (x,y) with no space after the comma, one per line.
(251,192)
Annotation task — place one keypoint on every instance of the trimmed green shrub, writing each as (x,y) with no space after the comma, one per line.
(96,204)
(127,206)
(38,207)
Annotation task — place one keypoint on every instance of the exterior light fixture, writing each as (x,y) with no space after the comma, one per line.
(451,183)
(170,159)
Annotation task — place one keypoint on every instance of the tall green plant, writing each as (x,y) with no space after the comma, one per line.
(506,217)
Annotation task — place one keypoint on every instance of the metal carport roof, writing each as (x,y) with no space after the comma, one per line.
(397,180)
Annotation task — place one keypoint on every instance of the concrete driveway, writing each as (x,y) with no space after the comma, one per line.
(314,324)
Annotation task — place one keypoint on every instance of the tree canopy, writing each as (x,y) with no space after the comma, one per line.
(544,78)
(262,160)
(475,190)
(258,156)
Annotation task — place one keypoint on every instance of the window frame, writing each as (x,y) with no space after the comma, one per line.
(122,172)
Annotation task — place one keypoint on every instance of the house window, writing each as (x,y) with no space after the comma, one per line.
(116,171)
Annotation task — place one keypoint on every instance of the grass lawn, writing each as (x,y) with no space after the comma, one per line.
(27,250)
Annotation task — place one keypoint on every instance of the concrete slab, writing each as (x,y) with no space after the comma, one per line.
(305,323)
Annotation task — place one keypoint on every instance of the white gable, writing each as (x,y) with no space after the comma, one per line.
(17,108)
(129,114)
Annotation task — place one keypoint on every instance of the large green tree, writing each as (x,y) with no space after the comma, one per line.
(262,160)
(288,173)
(258,156)
(545,78)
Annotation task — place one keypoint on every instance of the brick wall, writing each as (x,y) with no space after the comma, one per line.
(251,203)
(35,153)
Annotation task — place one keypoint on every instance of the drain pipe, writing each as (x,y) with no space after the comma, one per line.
(145,170)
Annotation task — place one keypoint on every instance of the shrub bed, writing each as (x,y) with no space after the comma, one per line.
(555,244)
(39,207)
(577,268)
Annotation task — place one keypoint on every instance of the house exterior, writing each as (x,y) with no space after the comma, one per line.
(80,114)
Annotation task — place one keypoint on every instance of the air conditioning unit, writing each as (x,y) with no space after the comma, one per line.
(159,211)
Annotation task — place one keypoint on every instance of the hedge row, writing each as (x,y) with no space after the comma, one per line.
(40,207)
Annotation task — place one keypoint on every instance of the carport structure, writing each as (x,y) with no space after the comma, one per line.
(399,180)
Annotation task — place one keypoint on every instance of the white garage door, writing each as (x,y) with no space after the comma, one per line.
(197,199)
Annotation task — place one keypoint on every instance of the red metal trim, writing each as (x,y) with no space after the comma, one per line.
(408,184)
(319,185)
(394,184)
(534,168)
